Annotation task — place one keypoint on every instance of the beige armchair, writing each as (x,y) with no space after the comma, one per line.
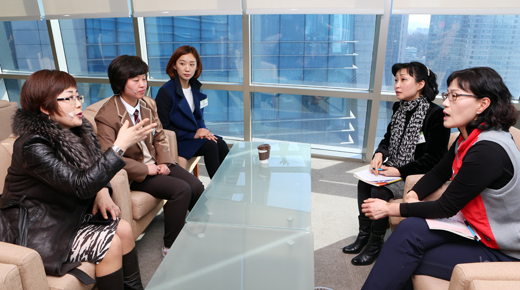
(137,207)
(7,110)
(472,276)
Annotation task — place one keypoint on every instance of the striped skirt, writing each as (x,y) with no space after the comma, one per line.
(92,241)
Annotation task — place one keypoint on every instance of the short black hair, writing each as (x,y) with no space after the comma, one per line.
(420,72)
(485,82)
(122,68)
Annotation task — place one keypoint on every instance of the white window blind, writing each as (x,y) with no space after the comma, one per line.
(67,9)
(144,8)
(315,6)
(12,10)
(457,7)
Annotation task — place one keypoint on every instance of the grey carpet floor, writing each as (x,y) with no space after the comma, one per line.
(334,224)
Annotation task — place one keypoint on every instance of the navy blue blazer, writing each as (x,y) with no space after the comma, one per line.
(175,114)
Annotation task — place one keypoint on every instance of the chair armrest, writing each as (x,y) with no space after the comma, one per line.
(189,165)
(487,284)
(10,277)
(463,274)
(29,263)
(424,282)
(172,140)
(121,194)
(410,181)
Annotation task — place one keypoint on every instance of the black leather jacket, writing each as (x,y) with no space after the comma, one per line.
(55,174)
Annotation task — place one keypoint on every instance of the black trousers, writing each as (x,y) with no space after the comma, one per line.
(214,154)
(181,190)
(414,249)
(365,191)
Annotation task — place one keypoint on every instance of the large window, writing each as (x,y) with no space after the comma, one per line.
(446,43)
(326,121)
(311,78)
(320,50)
(25,46)
(218,39)
(13,88)
(91,44)
(94,92)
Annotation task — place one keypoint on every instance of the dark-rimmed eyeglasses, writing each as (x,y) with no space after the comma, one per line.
(73,99)
(452,97)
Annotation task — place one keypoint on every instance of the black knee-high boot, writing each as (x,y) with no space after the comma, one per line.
(132,275)
(371,250)
(113,281)
(365,225)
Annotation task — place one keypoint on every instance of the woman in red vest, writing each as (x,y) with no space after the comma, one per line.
(485,184)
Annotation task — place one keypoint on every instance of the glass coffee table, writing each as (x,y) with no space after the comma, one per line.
(211,256)
(251,228)
(246,193)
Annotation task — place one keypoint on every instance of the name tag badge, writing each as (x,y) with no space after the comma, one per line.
(204,103)
(421,139)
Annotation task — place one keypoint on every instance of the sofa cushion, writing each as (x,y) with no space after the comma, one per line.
(142,204)
(10,277)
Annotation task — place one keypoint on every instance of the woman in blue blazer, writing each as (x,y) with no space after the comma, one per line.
(180,106)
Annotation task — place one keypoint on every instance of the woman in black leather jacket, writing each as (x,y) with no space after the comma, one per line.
(59,179)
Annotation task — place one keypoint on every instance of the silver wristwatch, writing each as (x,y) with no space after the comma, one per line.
(118,150)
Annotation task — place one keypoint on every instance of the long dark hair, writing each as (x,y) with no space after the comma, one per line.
(420,72)
(485,82)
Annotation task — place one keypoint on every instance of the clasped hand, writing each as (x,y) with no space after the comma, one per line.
(204,133)
(375,208)
(161,169)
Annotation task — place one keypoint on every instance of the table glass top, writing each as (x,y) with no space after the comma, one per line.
(211,256)
(247,193)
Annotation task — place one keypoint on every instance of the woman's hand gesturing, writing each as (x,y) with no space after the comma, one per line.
(128,136)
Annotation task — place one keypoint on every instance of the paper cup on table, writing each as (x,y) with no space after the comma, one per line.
(263,152)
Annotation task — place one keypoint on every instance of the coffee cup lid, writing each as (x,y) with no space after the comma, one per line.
(264,147)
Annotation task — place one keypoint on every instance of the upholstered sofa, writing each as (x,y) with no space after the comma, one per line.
(472,276)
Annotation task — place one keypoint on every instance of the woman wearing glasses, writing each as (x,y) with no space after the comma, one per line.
(483,168)
(56,197)
(414,142)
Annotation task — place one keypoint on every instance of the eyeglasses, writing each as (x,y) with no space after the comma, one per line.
(452,97)
(73,99)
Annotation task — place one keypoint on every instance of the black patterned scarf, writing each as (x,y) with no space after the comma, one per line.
(404,137)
